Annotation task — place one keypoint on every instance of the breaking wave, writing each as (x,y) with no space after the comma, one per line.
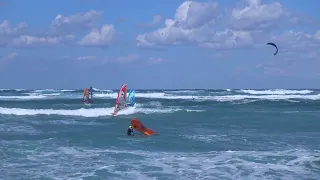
(66,162)
(93,112)
(199,95)
(276,91)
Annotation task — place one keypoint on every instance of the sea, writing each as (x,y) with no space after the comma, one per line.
(203,134)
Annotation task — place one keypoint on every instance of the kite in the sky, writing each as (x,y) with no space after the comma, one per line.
(272,44)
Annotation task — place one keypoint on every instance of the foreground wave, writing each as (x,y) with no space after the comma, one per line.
(94,112)
(67,162)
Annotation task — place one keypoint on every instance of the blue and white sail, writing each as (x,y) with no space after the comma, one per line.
(131,98)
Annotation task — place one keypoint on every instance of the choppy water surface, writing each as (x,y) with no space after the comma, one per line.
(204,134)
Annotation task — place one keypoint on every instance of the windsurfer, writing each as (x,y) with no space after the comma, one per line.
(117,108)
(120,100)
(130,131)
(91,94)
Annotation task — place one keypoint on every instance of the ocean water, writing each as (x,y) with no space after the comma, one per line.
(220,134)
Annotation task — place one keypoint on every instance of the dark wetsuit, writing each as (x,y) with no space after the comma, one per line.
(130,132)
(90,94)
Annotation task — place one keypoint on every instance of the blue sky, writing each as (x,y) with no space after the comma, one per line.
(159,44)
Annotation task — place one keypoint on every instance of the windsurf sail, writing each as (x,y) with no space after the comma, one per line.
(85,96)
(121,99)
(141,128)
(131,98)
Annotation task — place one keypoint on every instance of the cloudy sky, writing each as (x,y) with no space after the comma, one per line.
(159,44)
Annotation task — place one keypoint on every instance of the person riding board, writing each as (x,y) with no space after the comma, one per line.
(117,107)
(90,93)
(130,131)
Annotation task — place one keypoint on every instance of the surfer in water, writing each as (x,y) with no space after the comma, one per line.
(130,131)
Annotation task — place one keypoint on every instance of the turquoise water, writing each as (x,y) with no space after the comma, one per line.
(220,134)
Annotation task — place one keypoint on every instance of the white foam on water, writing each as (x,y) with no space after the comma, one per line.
(52,94)
(44,90)
(67,90)
(207,138)
(215,98)
(30,96)
(155,104)
(184,91)
(102,90)
(10,128)
(94,112)
(105,95)
(264,97)
(81,162)
(289,95)
(22,97)
(275,91)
